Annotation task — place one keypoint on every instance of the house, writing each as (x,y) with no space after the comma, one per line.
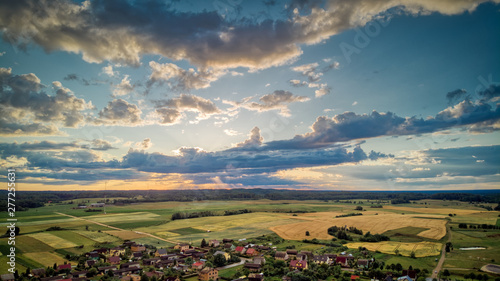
(37,272)
(229,247)
(97,205)
(151,261)
(363,263)
(291,253)
(405,278)
(137,256)
(240,250)
(105,269)
(213,243)
(411,273)
(138,248)
(198,265)
(102,251)
(308,253)
(253,267)
(252,252)
(354,277)
(90,263)
(130,264)
(255,277)
(264,248)
(116,251)
(93,255)
(283,256)
(301,256)
(8,277)
(79,274)
(342,261)
(226,255)
(134,277)
(156,274)
(259,260)
(208,273)
(172,278)
(160,252)
(114,260)
(182,247)
(64,266)
(321,259)
(226,240)
(298,264)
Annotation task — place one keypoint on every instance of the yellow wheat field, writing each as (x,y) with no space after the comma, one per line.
(45,258)
(318,224)
(123,217)
(421,249)
(52,240)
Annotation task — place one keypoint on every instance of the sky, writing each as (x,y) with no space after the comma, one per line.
(314,95)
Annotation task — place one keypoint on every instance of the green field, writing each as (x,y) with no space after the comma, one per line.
(38,247)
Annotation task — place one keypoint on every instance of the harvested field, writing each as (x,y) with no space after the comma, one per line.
(29,244)
(318,224)
(52,240)
(421,249)
(45,258)
(444,211)
(125,234)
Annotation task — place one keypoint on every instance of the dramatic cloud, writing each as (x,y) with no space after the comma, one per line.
(350,126)
(457,95)
(171,110)
(120,112)
(28,110)
(278,100)
(181,80)
(123,31)
(98,144)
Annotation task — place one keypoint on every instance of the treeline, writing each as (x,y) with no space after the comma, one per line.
(478,226)
(201,214)
(349,215)
(182,216)
(34,199)
(368,237)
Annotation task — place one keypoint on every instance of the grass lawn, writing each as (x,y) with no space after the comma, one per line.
(228,273)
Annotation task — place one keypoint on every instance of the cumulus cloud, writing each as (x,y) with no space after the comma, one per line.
(99,144)
(124,88)
(108,70)
(322,91)
(231,132)
(278,100)
(254,139)
(145,144)
(180,80)
(123,31)
(120,112)
(28,110)
(171,110)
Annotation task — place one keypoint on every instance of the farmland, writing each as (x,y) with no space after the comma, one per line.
(419,227)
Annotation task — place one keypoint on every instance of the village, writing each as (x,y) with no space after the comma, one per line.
(137,262)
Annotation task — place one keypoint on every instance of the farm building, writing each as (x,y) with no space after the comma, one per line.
(208,273)
(298,264)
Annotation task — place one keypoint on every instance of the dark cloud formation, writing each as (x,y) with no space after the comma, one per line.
(26,109)
(350,126)
(457,95)
(123,31)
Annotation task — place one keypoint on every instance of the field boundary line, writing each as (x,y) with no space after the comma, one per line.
(120,229)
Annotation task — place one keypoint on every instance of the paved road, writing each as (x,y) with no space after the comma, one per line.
(243,260)
(116,228)
(443,256)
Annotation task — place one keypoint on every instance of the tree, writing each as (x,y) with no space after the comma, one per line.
(307,233)
(144,277)
(203,243)
(219,260)
(446,273)
(412,255)
(358,208)
(399,267)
